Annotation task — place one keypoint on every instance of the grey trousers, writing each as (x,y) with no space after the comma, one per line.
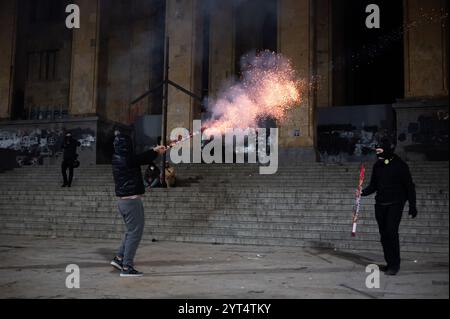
(132,211)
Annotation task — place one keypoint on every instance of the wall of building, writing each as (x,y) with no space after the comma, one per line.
(222,46)
(34,143)
(294,41)
(7,39)
(422,117)
(183,25)
(131,52)
(426,48)
(118,54)
(41,67)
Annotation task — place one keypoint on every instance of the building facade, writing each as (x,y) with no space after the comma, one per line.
(53,78)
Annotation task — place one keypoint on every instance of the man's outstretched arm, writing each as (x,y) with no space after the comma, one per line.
(148,157)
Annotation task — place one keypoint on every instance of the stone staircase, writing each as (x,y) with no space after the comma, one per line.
(307,205)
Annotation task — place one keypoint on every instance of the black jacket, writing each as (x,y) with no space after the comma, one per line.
(392,182)
(127,167)
(70,149)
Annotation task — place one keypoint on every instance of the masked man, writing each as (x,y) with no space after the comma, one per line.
(392,181)
(129,189)
(70,155)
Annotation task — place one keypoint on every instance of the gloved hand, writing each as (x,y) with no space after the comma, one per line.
(413,212)
(160,149)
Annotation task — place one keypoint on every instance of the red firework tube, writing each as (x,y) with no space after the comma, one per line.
(357,206)
(181,139)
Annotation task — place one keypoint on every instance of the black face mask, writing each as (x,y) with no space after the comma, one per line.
(385,157)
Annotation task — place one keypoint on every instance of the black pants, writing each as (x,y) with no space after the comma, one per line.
(388,219)
(67,164)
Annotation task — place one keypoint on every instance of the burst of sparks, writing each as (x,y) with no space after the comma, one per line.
(269,88)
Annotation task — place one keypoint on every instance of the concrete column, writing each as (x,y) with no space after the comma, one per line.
(426,48)
(140,56)
(7,39)
(83,88)
(294,42)
(119,70)
(182,18)
(221,45)
(324,53)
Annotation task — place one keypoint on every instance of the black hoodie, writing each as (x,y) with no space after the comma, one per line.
(70,148)
(392,181)
(127,167)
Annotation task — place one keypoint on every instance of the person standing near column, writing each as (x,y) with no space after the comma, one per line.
(70,155)
(391,180)
(129,187)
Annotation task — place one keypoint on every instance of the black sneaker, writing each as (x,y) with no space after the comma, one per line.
(383,268)
(392,271)
(130,272)
(117,263)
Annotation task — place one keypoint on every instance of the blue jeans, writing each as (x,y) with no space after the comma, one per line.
(132,211)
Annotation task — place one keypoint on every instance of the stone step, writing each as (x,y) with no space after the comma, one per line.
(433,220)
(108,191)
(218,214)
(201,186)
(200,190)
(302,205)
(207,172)
(202,214)
(298,165)
(247,166)
(258,225)
(292,175)
(217,182)
(345,209)
(341,244)
(251,196)
(201,195)
(308,234)
(306,173)
(249,209)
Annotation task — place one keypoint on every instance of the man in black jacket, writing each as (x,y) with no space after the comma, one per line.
(70,155)
(392,181)
(129,188)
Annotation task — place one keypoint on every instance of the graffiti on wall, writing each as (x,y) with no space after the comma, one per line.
(428,135)
(351,133)
(338,143)
(32,146)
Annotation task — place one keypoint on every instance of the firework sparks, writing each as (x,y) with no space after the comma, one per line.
(269,89)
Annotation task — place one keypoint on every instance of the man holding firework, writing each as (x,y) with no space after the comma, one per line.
(392,181)
(129,189)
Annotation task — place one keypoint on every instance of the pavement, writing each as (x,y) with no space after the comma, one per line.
(36,268)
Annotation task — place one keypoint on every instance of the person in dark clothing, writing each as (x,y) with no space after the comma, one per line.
(391,180)
(152,176)
(129,187)
(70,155)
